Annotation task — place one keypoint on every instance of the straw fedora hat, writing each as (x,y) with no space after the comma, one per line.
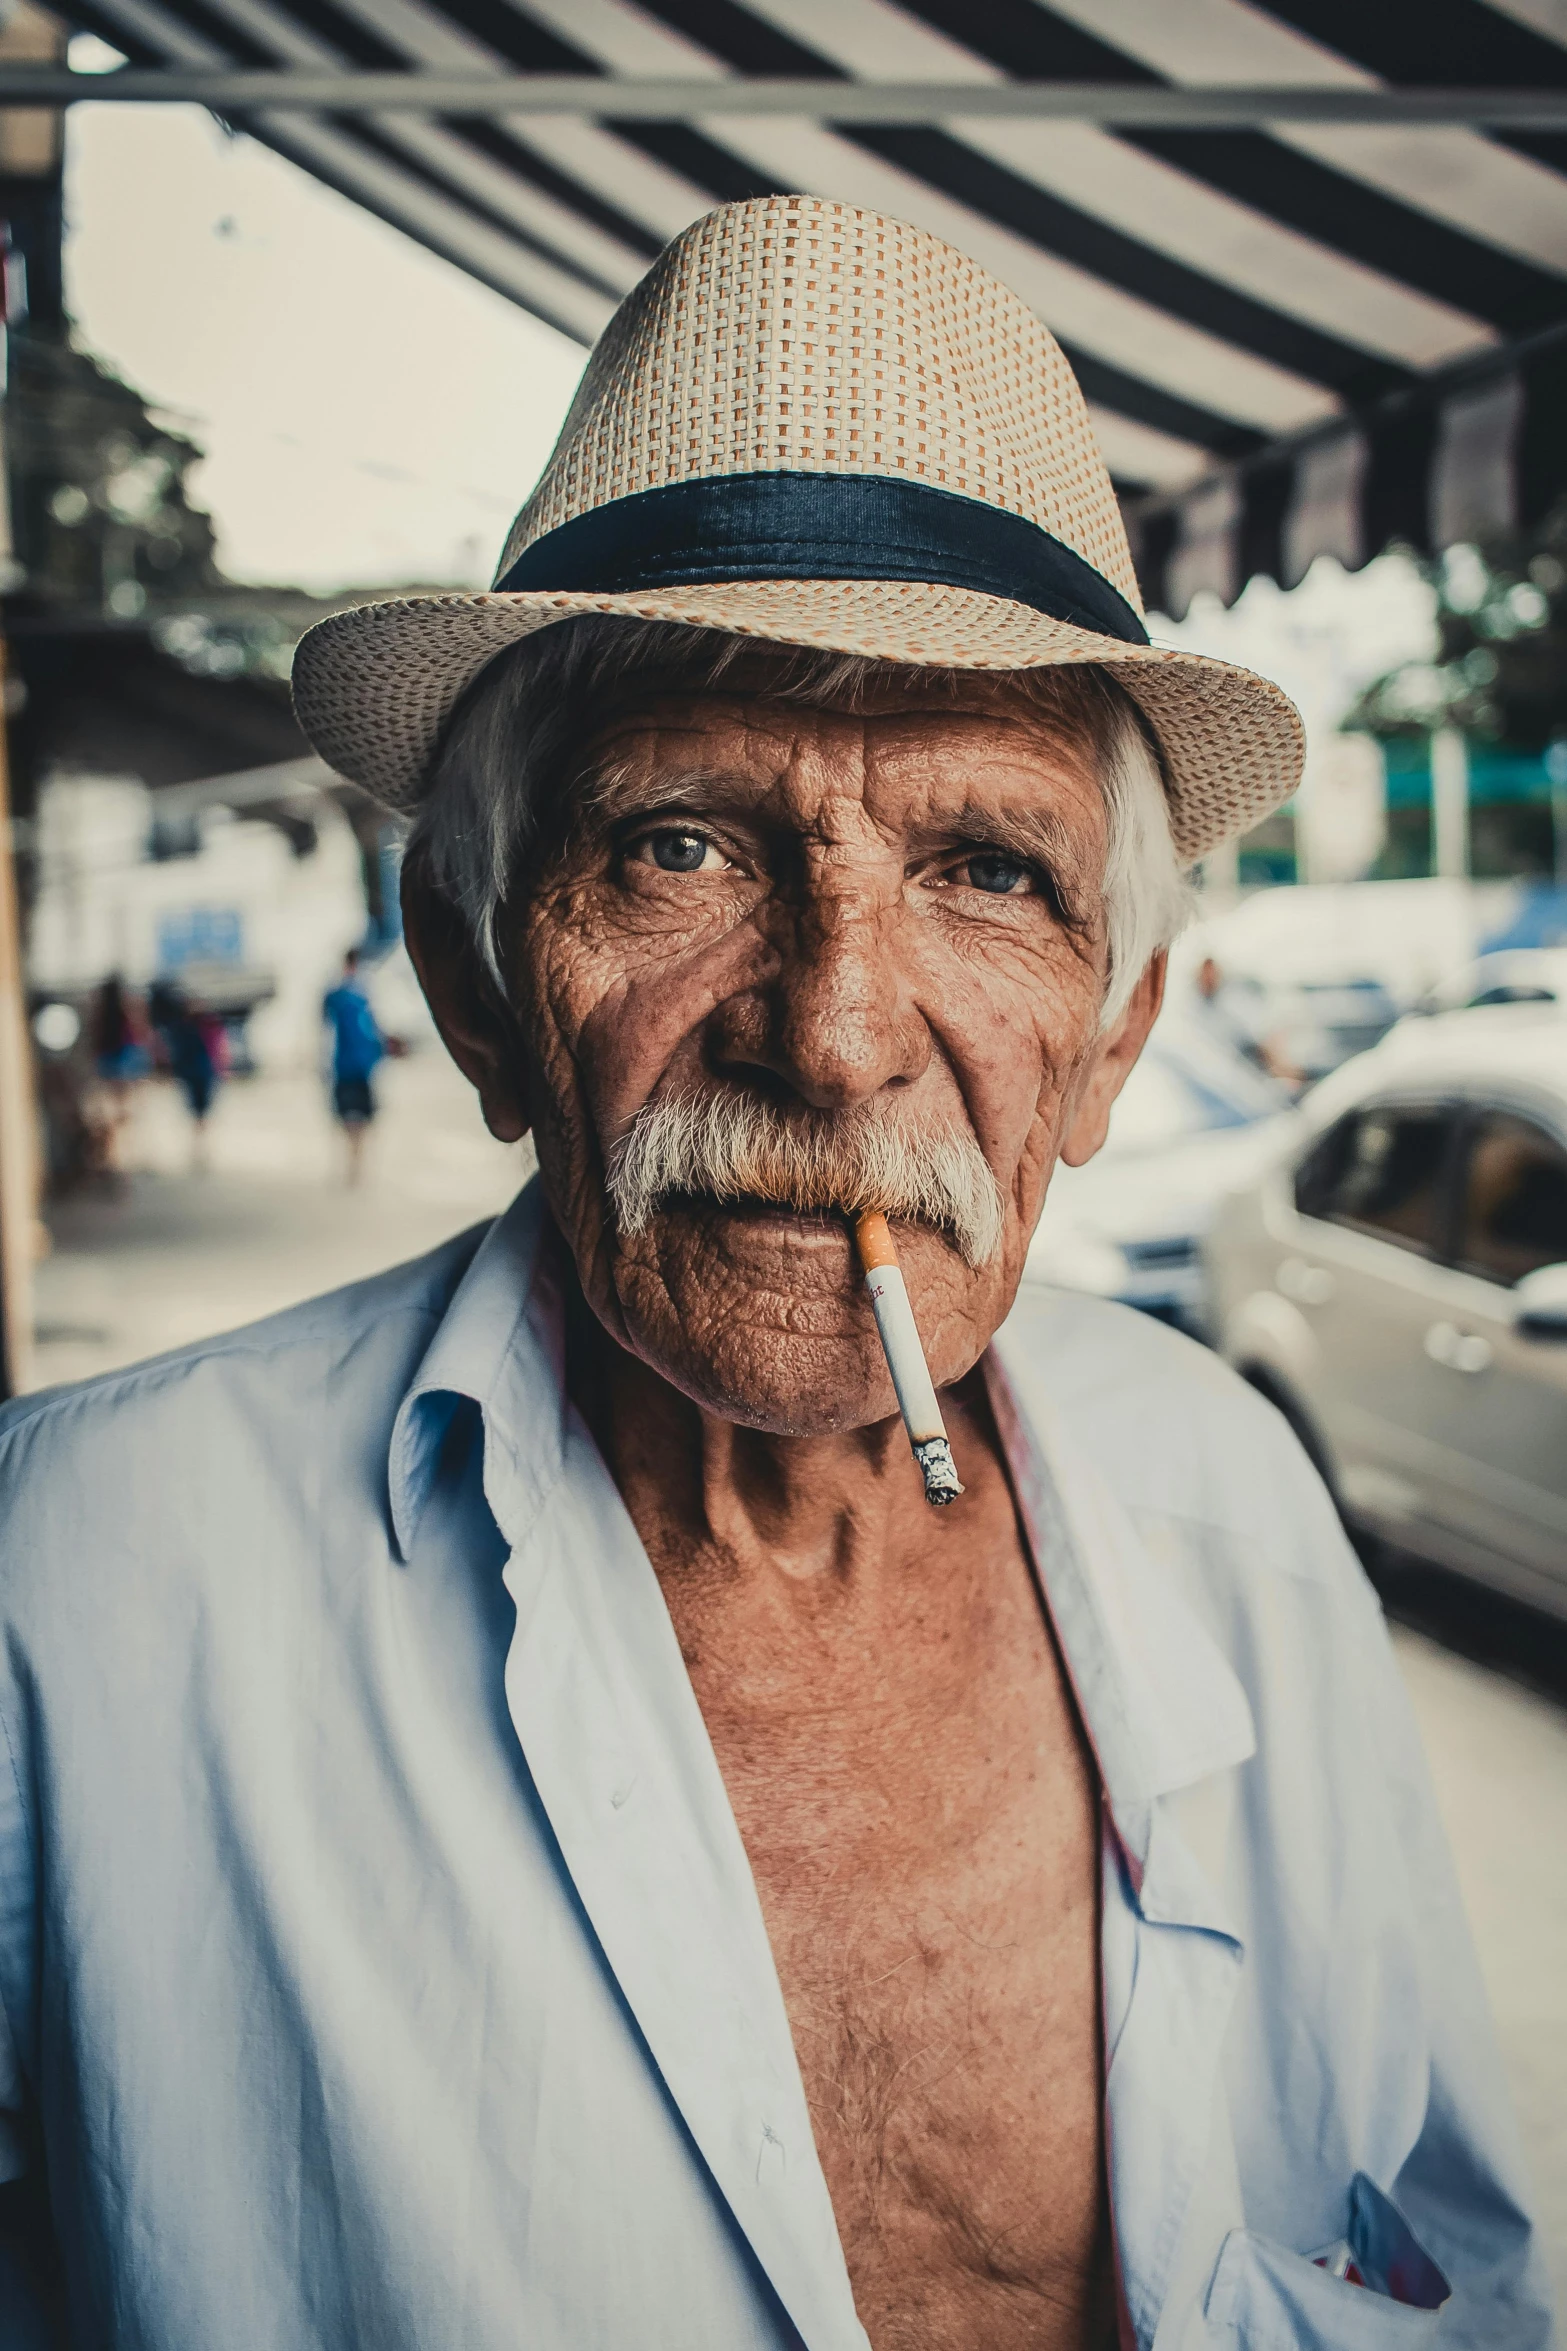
(817,426)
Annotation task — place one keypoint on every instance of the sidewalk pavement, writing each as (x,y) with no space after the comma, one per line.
(178,1254)
(272,1221)
(1498,1757)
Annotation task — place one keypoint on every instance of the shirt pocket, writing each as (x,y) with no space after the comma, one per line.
(1264,2298)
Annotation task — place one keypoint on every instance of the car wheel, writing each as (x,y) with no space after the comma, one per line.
(1283,1400)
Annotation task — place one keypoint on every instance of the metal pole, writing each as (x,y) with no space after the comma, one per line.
(1450,805)
(18,1118)
(338,90)
(1221,877)
(1556,772)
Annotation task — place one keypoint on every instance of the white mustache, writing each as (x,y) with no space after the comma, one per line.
(732,1146)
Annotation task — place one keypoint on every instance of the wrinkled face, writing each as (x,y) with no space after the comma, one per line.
(893,915)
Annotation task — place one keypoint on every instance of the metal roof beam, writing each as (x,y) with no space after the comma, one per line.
(240,90)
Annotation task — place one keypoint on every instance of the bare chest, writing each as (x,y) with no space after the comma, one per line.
(947,2028)
(927,1862)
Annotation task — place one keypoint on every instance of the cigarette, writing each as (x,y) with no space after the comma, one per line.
(906,1357)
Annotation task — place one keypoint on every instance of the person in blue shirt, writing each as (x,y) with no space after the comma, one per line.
(358,1047)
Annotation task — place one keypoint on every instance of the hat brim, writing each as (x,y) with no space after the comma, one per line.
(374,687)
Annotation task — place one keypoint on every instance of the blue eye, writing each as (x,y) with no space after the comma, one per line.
(678,852)
(989,869)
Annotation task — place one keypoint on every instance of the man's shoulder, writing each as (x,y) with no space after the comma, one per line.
(123,1457)
(1109,1359)
(1176,1432)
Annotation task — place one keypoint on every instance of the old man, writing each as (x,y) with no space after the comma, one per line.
(539,1835)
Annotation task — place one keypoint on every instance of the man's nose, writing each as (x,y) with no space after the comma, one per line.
(837,1021)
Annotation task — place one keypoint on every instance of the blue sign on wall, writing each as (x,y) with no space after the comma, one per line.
(200,934)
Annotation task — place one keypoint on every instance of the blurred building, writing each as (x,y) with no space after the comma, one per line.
(130,657)
(168,818)
(237,918)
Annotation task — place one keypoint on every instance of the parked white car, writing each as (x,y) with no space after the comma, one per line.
(1508,975)
(1396,1281)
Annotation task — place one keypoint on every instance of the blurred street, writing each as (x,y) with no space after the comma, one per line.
(1498,1755)
(178,1254)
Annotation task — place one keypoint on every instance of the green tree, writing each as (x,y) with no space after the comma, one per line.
(1500,672)
(101,519)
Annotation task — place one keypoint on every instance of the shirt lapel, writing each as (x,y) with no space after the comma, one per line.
(1169,1724)
(619,1754)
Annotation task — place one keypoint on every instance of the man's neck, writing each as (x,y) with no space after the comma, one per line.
(847,1505)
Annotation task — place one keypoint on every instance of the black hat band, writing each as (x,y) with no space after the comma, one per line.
(819,526)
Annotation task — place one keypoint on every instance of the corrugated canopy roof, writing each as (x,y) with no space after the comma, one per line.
(1306,331)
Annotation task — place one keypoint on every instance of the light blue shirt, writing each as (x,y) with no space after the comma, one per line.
(381,1961)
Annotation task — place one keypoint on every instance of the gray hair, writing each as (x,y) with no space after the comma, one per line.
(504,774)
(724,1145)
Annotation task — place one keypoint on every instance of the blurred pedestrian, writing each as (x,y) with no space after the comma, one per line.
(118,1034)
(358,1049)
(117,1037)
(1229,1015)
(1214,1008)
(198,1058)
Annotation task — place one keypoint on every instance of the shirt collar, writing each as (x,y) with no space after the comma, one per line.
(607,1720)
(500,1345)
(1161,1704)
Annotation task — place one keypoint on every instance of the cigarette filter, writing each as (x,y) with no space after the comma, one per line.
(906,1357)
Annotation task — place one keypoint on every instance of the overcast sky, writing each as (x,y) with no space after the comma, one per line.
(369,413)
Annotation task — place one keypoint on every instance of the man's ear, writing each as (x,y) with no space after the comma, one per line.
(477,1026)
(1118,1048)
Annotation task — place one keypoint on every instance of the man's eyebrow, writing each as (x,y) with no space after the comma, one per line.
(1042,838)
(621,789)
(1029,832)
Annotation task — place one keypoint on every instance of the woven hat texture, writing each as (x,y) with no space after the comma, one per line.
(794,336)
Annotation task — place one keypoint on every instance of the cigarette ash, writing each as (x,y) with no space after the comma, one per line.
(939,1470)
